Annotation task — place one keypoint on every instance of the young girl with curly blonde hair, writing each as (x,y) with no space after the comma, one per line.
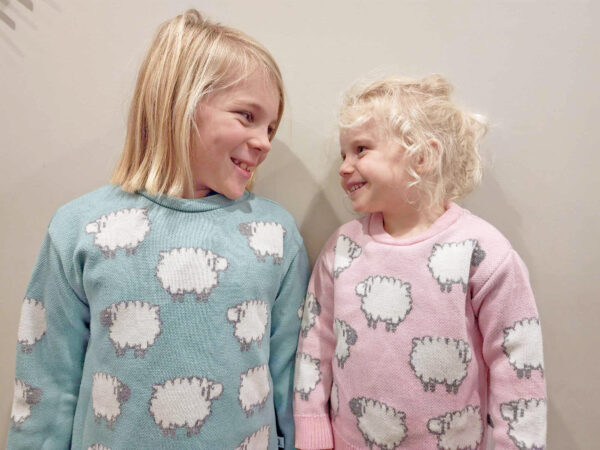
(419,326)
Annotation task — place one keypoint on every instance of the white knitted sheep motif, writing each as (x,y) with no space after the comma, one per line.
(132,325)
(385,299)
(189,271)
(440,360)
(254,389)
(259,440)
(108,395)
(450,263)
(380,424)
(23,398)
(345,337)
(249,321)
(523,346)
(312,309)
(32,326)
(265,239)
(526,422)
(98,447)
(183,403)
(345,251)
(125,228)
(334,400)
(307,374)
(458,430)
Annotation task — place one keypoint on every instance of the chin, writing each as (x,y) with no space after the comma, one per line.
(233,194)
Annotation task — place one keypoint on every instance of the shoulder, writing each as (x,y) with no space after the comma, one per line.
(495,249)
(484,232)
(348,237)
(270,213)
(71,219)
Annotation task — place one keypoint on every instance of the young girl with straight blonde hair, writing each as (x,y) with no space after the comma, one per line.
(420,326)
(163,309)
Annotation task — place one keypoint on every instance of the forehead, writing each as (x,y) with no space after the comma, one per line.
(366,131)
(256,89)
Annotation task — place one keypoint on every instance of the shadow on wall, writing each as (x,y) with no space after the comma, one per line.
(7,12)
(284,178)
(490,203)
(13,13)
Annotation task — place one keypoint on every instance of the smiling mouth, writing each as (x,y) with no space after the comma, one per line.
(242,165)
(355,187)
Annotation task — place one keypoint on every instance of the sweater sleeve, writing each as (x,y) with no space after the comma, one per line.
(313,378)
(512,349)
(284,340)
(53,334)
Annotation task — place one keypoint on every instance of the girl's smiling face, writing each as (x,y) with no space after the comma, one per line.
(373,172)
(235,126)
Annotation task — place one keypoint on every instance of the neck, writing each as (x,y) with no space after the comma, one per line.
(198,192)
(410,221)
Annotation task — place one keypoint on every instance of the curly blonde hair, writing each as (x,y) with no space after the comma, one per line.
(190,57)
(438,137)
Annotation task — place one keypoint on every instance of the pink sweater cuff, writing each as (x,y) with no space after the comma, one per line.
(313,432)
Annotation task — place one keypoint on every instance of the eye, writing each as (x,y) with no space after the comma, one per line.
(360,149)
(247,115)
(270,131)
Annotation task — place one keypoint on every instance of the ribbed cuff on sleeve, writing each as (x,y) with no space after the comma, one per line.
(313,432)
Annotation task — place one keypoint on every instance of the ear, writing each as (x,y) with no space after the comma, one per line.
(429,161)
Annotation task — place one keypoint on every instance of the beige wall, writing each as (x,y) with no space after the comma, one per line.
(67,70)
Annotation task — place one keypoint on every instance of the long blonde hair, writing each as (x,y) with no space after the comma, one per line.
(419,114)
(189,58)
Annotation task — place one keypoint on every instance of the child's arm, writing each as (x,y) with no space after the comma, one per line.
(313,377)
(284,339)
(512,348)
(53,335)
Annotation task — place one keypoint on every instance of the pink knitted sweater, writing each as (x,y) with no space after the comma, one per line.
(421,342)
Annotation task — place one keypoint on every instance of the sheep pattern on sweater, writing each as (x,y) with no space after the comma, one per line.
(32,325)
(122,229)
(265,239)
(308,375)
(458,430)
(526,419)
(448,262)
(24,397)
(524,358)
(259,440)
(380,424)
(108,396)
(249,321)
(254,389)
(384,299)
(346,250)
(311,309)
(183,403)
(132,325)
(439,360)
(190,271)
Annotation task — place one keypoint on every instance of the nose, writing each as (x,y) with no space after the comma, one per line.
(346,168)
(260,141)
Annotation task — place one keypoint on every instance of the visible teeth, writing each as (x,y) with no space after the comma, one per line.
(241,164)
(355,187)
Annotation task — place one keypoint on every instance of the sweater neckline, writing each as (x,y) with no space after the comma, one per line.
(208,203)
(378,233)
